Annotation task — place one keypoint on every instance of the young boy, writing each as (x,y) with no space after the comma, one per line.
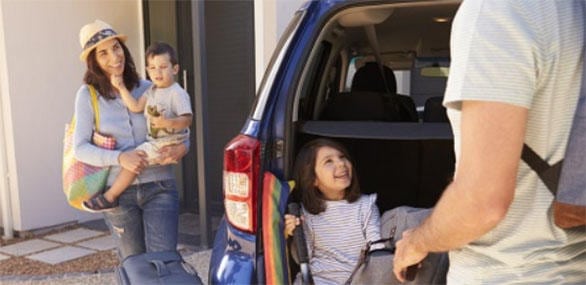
(168,112)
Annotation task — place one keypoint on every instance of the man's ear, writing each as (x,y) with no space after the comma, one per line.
(175,69)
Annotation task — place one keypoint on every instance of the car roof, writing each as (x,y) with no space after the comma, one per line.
(423,27)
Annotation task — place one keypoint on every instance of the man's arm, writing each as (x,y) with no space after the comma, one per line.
(478,199)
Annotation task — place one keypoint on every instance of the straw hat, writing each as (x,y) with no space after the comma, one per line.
(95,33)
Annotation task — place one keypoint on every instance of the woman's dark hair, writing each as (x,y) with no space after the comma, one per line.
(304,174)
(95,76)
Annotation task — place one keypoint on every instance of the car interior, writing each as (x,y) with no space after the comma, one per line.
(375,82)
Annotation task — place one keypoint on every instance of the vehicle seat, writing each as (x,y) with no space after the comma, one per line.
(370,100)
(437,165)
(359,106)
(368,78)
(434,111)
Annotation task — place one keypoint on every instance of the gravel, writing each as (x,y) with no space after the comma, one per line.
(97,268)
(199,260)
(102,261)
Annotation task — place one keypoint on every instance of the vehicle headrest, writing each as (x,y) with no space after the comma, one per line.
(369,78)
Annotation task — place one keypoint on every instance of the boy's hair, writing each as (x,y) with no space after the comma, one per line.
(158,48)
(95,76)
(304,174)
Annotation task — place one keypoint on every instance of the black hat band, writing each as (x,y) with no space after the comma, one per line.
(98,37)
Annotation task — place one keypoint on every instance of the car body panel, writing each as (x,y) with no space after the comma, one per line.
(237,256)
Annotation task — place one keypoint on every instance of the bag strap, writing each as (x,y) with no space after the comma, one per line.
(161,267)
(95,106)
(549,174)
(364,256)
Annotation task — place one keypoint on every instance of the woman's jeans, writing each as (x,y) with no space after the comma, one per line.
(146,219)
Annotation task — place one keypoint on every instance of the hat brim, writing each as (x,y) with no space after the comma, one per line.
(86,52)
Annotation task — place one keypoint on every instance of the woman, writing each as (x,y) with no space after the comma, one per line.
(148,213)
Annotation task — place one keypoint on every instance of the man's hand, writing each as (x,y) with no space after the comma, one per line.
(407,253)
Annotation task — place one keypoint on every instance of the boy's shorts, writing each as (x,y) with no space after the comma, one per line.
(152,146)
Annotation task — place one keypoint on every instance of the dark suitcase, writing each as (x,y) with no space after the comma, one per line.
(156,268)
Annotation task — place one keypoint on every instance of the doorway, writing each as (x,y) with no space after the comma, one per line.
(216,40)
(170,22)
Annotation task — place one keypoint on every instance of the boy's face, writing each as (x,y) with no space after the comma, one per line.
(161,70)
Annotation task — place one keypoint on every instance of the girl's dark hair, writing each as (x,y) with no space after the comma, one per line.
(158,48)
(304,175)
(94,75)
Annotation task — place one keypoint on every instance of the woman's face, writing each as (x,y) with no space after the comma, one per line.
(333,173)
(110,57)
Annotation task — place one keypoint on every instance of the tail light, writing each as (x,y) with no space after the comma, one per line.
(241,172)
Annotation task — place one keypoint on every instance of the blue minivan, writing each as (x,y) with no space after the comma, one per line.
(368,73)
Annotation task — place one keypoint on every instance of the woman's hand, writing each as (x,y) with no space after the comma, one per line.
(291,222)
(171,154)
(134,160)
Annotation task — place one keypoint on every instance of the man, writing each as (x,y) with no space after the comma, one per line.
(515,78)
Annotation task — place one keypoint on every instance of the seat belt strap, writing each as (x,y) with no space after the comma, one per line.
(372,39)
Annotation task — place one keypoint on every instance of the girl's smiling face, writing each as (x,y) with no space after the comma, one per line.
(110,57)
(333,173)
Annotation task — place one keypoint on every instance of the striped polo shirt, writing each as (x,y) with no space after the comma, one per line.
(526,53)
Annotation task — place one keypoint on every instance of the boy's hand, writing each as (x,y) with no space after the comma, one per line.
(159,122)
(118,82)
(291,222)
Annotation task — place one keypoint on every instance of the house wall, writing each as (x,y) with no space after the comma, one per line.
(43,73)
(285,11)
(271,18)
(5,201)
(40,72)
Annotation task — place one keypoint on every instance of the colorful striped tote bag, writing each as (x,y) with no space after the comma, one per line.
(81,180)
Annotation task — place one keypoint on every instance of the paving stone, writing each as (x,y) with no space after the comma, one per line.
(101,243)
(74,235)
(27,247)
(2,257)
(61,254)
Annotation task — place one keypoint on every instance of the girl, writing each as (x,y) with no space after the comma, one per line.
(337,219)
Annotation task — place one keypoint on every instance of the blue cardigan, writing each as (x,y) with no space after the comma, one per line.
(128,128)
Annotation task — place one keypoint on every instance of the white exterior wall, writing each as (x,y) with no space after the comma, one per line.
(271,17)
(40,72)
(38,83)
